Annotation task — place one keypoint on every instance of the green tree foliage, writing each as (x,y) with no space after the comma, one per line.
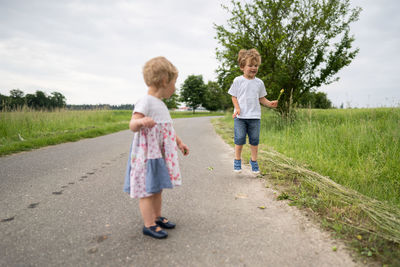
(215,97)
(39,100)
(101,107)
(4,102)
(193,91)
(303,43)
(16,99)
(172,102)
(315,100)
(57,100)
(322,101)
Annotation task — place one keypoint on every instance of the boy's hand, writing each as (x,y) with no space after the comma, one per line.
(148,122)
(274,104)
(237,112)
(184,149)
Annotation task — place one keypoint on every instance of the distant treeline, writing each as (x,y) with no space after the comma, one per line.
(100,106)
(39,100)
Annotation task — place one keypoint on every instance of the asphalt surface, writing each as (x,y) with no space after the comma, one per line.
(64,205)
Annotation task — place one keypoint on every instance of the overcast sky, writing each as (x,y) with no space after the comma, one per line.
(92,51)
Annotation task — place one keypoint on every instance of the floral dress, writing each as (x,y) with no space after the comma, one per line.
(153,159)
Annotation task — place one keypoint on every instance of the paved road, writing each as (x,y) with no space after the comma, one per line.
(64,205)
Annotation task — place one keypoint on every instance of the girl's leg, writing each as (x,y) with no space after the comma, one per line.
(238,151)
(157,205)
(254,152)
(146,206)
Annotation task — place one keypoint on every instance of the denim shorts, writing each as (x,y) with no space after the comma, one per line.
(250,127)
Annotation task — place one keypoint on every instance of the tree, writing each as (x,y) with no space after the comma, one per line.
(4,102)
(193,91)
(303,43)
(16,93)
(57,100)
(315,100)
(172,102)
(322,101)
(30,100)
(41,100)
(215,97)
(16,99)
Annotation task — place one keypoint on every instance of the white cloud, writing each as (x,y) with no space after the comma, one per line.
(93,51)
(372,79)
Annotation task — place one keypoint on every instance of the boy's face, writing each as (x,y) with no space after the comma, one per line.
(250,69)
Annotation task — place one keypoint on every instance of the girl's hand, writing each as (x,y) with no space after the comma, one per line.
(237,112)
(148,122)
(183,148)
(138,121)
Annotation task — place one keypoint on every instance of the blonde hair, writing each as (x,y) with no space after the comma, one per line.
(250,55)
(158,71)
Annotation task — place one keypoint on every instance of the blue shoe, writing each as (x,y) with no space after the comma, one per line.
(254,167)
(151,231)
(166,225)
(237,165)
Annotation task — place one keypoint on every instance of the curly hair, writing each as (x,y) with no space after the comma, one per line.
(251,55)
(158,71)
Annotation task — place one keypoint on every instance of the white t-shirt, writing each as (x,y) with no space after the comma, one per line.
(153,107)
(248,92)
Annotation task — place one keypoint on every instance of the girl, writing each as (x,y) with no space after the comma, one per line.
(153,161)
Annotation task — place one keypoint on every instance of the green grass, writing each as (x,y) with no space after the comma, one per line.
(342,166)
(27,129)
(357,148)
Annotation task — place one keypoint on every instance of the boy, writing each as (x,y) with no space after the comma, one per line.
(248,92)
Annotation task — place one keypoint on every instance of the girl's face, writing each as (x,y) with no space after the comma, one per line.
(250,69)
(169,88)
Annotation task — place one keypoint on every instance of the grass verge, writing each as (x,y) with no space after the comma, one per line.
(26,129)
(369,226)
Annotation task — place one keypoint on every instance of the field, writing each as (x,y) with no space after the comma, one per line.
(341,166)
(357,148)
(27,129)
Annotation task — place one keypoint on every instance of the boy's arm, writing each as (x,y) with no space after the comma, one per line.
(236,105)
(267,103)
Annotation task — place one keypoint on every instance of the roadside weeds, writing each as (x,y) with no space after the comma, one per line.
(369,227)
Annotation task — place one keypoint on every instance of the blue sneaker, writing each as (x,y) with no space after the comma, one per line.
(254,167)
(237,165)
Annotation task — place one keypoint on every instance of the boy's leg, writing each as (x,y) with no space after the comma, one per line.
(237,163)
(254,152)
(238,152)
(254,139)
(240,130)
